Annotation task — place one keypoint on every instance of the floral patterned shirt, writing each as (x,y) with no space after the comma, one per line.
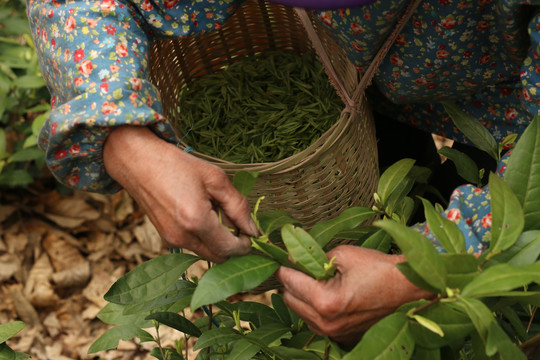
(481,54)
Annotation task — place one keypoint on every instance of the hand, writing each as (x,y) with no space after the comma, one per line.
(367,287)
(180,193)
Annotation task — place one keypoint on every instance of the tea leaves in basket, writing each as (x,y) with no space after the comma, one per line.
(261,109)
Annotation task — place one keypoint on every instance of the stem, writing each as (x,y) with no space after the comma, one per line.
(326,351)
(158,340)
(531,320)
(426,305)
(309,341)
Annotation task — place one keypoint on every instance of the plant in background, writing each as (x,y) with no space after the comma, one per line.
(23,99)
(483,309)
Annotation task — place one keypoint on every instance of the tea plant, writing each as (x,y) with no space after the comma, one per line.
(483,309)
(23,97)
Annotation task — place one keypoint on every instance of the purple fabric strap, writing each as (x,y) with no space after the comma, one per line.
(324,4)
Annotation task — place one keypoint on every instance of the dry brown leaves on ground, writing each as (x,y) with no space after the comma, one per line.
(58,257)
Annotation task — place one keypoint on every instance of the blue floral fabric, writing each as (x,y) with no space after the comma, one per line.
(480,54)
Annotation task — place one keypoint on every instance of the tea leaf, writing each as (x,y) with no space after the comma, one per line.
(429,324)
(320,348)
(304,250)
(286,353)
(109,340)
(113,314)
(390,338)
(501,278)
(473,130)
(523,173)
(8,354)
(175,321)
(244,181)
(480,315)
(179,294)
(152,277)
(499,343)
(525,251)
(380,240)
(234,275)
(282,311)
(507,215)
(10,329)
(16,178)
(217,336)
(349,219)
(448,234)
(465,166)
(419,251)
(413,277)
(274,220)
(244,349)
(392,177)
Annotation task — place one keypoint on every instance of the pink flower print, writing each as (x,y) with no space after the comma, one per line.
(78,81)
(169,4)
(484,59)
(60,154)
(70,24)
(326,18)
(72,180)
(78,55)
(400,40)
(104,87)
(74,149)
(482,25)
(486,221)
(108,107)
(357,29)
(511,114)
(54,126)
(422,81)
(453,214)
(147,5)
(86,67)
(442,54)
(53,43)
(107,6)
(121,50)
(136,83)
(356,46)
(526,95)
(448,23)
(111,30)
(396,60)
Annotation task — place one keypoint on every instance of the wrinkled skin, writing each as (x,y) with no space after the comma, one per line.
(180,193)
(367,287)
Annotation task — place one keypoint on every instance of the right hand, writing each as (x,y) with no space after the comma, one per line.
(180,193)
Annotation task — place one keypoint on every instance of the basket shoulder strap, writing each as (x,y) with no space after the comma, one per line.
(367,76)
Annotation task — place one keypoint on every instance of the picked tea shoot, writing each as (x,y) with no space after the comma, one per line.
(263,108)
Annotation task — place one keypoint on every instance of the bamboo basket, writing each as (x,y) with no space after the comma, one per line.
(340,169)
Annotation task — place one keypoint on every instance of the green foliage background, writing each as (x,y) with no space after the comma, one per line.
(24,99)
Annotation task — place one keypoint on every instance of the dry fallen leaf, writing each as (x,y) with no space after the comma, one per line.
(9,265)
(38,288)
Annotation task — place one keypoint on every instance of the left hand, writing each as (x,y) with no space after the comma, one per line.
(367,287)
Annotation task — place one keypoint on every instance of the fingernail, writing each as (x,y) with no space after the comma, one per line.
(253,228)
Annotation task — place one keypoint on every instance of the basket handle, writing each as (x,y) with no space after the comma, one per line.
(350,102)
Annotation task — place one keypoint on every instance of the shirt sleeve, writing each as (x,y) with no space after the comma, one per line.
(93,56)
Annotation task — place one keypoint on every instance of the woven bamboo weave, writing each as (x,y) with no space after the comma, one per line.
(336,172)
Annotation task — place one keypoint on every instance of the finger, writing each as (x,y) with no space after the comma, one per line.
(233,203)
(300,285)
(304,311)
(222,242)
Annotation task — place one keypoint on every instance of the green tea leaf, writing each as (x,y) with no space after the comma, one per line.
(349,219)
(274,252)
(380,240)
(6,353)
(175,321)
(426,354)
(429,324)
(392,177)
(479,314)
(304,250)
(473,130)
(274,220)
(113,314)
(465,166)
(217,336)
(525,251)
(448,234)
(419,251)
(390,338)
(398,195)
(170,354)
(523,174)
(499,343)
(109,340)
(28,154)
(282,311)
(16,178)
(285,353)
(244,181)
(234,275)
(507,215)
(2,143)
(152,277)
(501,278)
(245,350)
(413,277)
(10,329)
(29,82)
